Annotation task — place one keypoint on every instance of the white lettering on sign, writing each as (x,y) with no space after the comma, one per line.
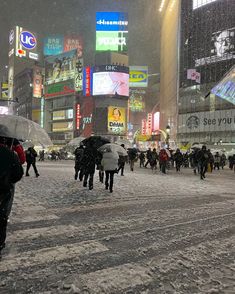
(111,23)
(112,41)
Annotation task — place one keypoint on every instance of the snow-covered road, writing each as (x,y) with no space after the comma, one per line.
(154,234)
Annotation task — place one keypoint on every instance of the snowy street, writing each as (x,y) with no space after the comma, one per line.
(155,233)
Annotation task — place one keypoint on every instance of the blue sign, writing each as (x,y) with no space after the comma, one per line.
(53,45)
(112,21)
(28,40)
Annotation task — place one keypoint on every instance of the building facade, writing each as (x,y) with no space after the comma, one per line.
(207,54)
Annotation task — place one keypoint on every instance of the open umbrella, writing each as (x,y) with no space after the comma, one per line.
(13,126)
(95,141)
(126,142)
(76,141)
(114,148)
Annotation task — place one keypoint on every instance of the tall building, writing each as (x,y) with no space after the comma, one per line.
(207,53)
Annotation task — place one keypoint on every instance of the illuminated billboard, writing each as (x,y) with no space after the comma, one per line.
(138,77)
(4,91)
(60,67)
(62,114)
(137,100)
(116,120)
(87,81)
(225,89)
(111,31)
(53,45)
(57,44)
(62,126)
(25,43)
(60,89)
(37,82)
(110,80)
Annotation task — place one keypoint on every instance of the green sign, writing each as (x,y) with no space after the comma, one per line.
(113,41)
(63,88)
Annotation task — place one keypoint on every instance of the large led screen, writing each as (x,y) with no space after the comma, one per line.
(61,67)
(225,89)
(110,80)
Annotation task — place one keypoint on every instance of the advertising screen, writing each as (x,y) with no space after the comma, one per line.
(225,89)
(116,120)
(4,90)
(111,80)
(113,41)
(112,21)
(53,45)
(137,100)
(87,81)
(60,67)
(138,76)
(87,108)
(111,31)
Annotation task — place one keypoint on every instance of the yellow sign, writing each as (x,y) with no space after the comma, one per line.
(116,120)
(4,90)
(143,138)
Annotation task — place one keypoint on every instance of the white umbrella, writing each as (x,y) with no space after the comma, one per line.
(126,142)
(114,148)
(76,141)
(23,129)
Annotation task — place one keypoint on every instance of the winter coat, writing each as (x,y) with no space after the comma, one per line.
(11,170)
(178,157)
(163,157)
(31,155)
(89,160)
(110,161)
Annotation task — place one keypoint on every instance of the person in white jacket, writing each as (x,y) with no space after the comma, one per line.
(110,166)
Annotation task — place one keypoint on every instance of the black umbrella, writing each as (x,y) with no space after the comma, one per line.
(95,141)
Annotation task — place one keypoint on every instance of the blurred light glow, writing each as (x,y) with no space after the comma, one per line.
(162,5)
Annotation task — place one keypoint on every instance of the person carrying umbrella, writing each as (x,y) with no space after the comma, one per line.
(121,162)
(11,171)
(110,165)
(79,152)
(88,166)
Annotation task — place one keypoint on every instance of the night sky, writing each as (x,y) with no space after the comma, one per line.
(78,16)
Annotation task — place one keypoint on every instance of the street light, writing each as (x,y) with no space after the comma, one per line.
(168,128)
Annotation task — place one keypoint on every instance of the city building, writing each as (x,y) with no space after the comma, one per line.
(207,54)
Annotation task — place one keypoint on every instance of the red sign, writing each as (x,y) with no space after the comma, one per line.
(37,82)
(73,42)
(88,81)
(149,126)
(156,121)
(143,127)
(78,116)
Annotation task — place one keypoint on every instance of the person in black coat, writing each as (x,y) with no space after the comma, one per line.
(148,156)
(31,155)
(79,152)
(202,159)
(121,162)
(88,166)
(11,171)
(178,158)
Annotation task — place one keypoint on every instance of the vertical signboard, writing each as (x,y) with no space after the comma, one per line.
(149,126)
(156,121)
(78,116)
(87,81)
(37,82)
(11,54)
(4,91)
(143,126)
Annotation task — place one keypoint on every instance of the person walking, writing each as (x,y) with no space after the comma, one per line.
(11,171)
(210,161)
(223,160)
(41,155)
(31,155)
(79,152)
(217,161)
(110,165)
(202,158)
(121,162)
(153,160)
(142,159)
(148,156)
(163,158)
(132,155)
(88,166)
(178,158)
